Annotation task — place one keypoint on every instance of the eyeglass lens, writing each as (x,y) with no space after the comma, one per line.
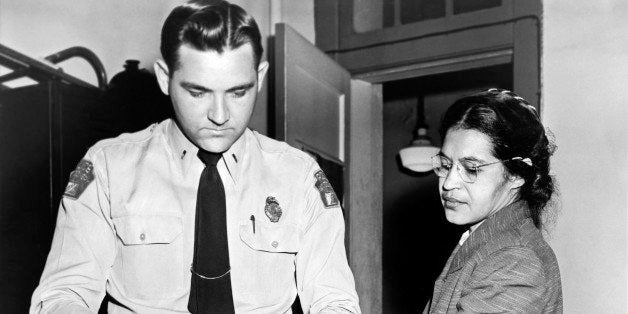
(442,166)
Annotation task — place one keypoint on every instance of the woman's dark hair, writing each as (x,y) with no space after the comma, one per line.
(515,130)
(208,25)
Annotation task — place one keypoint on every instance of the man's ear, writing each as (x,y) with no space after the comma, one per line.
(163,75)
(262,69)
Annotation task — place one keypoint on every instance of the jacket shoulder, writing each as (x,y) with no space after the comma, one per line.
(126,140)
(282,150)
(521,242)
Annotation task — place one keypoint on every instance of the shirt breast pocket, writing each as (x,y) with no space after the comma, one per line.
(150,255)
(267,262)
(271,239)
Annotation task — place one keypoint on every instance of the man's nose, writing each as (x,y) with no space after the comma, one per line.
(218,112)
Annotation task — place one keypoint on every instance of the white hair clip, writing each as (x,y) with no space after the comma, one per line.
(526,161)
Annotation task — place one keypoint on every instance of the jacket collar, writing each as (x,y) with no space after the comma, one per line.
(495,224)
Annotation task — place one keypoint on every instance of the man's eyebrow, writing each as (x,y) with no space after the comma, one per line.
(241,87)
(189,85)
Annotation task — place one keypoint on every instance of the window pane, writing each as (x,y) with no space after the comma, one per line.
(420,10)
(367,15)
(389,13)
(463,6)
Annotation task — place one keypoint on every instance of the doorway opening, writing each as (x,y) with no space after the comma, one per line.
(417,239)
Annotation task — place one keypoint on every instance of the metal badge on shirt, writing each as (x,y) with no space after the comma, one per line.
(272,209)
(80,178)
(328,196)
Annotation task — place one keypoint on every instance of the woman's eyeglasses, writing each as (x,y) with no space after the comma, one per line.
(468,172)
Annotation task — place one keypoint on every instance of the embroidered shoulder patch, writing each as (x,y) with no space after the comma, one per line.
(328,196)
(80,178)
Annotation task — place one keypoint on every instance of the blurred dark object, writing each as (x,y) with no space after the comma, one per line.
(47,120)
(45,129)
(135,99)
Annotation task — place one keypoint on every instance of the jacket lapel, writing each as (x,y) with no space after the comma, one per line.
(438,285)
(493,225)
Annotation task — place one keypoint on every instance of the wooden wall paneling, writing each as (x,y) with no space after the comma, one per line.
(365,198)
(527,48)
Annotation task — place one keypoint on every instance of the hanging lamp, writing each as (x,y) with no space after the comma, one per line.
(418,156)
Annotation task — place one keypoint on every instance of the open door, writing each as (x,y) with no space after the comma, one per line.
(311,92)
(321,110)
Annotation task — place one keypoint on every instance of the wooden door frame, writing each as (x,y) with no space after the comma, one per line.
(511,38)
(513,29)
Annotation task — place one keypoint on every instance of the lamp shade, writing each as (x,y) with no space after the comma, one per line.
(418,158)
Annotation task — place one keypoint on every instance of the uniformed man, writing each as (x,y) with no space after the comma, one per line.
(199,213)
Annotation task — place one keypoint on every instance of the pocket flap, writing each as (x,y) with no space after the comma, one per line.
(144,229)
(274,239)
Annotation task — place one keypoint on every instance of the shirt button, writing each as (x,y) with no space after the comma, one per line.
(142,237)
(275,244)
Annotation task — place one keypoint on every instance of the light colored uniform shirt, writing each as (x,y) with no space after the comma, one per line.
(130,232)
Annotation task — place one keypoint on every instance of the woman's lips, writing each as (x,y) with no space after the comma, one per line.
(451,202)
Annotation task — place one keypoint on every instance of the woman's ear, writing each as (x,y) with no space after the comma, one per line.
(163,75)
(515,181)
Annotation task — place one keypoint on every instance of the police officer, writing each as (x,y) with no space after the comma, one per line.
(199,213)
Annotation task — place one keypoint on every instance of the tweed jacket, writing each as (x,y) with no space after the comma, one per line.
(504,266)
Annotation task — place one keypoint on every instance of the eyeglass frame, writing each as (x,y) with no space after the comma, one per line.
(459,166)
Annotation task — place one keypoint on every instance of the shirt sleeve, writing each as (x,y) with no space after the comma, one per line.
(324,280)
(509,280)
(83,246)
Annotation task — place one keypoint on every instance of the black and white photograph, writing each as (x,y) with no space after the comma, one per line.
(313,156)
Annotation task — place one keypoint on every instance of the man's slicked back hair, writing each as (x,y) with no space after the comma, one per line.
(208,25)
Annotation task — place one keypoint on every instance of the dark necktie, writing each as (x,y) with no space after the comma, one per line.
(210,290)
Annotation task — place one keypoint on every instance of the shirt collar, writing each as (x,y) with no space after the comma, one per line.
(185,151)
(467,233)
(235,156)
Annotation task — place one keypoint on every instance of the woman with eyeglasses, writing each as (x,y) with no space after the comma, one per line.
(493,171)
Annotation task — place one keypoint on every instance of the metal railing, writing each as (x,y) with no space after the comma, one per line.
(40,71)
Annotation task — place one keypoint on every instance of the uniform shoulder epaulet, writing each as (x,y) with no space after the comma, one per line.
(140,135)
(268,144)
(132,137)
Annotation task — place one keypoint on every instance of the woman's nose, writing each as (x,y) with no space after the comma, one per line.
(452,179)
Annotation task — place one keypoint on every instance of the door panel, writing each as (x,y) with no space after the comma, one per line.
(339,121)
(311,92)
